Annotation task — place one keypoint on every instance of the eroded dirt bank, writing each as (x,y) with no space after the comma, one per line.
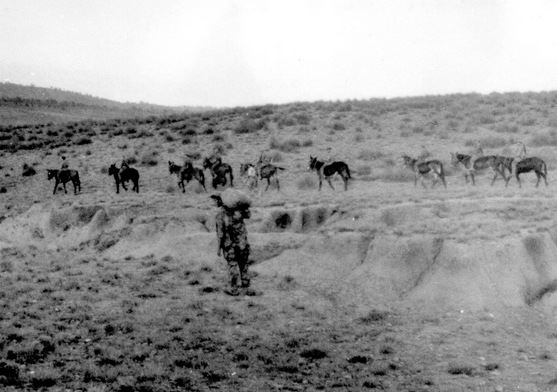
(400,297)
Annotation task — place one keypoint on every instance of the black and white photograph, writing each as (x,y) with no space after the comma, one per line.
(278,195)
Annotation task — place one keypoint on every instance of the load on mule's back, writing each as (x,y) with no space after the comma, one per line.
(329,170)
(123,175)
(266,170)
(218,170)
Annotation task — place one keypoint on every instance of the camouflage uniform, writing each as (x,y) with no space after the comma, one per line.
(233,241)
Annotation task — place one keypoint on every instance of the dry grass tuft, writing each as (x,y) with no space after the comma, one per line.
(149,158)
(461,368)
(534,245)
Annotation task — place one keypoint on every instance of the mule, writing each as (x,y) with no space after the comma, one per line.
(218,170)
(123,175)
(422,169)
(472,166)
(327,171)
(64,176)
(187,173)
(268,172)
(534,164)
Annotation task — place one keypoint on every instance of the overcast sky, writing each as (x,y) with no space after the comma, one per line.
(243,52)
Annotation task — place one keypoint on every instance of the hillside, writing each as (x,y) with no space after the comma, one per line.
(33,105)
(387,286)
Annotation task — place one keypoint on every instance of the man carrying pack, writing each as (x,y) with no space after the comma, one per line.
(232,237)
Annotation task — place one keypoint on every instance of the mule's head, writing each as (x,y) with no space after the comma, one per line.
(51,173)
(172,167)
(312,162)
(406,160)
(207,163)
(112,169)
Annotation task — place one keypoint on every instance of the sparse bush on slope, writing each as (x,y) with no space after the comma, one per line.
(248,125)
(288,145)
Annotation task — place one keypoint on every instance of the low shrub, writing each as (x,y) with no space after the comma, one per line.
(338,126)
(82,141)
(506,128)
(288,145)
(149,158)
(248,125)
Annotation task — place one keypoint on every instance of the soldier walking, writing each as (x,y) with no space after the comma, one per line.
(232,237)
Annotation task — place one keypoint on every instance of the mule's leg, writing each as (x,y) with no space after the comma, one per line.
(124,185)
(201,180)
(415,179)
(544,178)
(74,188)
(507,179)
(345,179)
(442,177)
(473,178)
(538,175)
(278,184)
(320,182)
(64,184)
(268,183)
(55,186)
(330,183)
(494,176)
(518,180)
